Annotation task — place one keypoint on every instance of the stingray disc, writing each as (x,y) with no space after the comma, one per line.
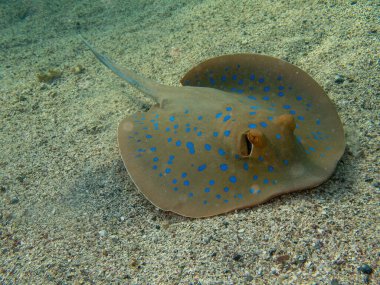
(245,129)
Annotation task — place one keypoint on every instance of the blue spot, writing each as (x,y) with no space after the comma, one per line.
(221,151)
(200,118)
(186,182)
(141,150)
(278,136)
(318,122)
(218,115)
(153,149)
(252,77)
(254,107)
(311,148)
(270,118)
(175,189)
(252,113)
(281,94)
(241,82)
(227,133)
(223,78)
(211,182)
(239,196)
(261,80)
(226,189)
(301,118)
(207,190)
(266,98)
(266,181)
(171,118)
(174,181)
(202,167)
(207,147)
(155,159)
(287,107)
(281,87)
(167,170)
(226,118)
(215,134)
(175,126)
(187,130)
(270,168)
(212,81)
(190,146)
(228,109)
(170,139)
(154,167)
(204,202)
(199,133)
(266,89)
(223,167)
(184,174)
(234,77)
(233,179)
(252,190)
(171,157)
(178,143)
(195,128)
(167,129)
(148,136)
(191,194)
(225,201)
(261,158)
(186,111)
(255,177)
(299,98)
(245,166)
(218,196)
(263,124)
(292,112)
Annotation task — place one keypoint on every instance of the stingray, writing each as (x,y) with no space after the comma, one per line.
(242,129)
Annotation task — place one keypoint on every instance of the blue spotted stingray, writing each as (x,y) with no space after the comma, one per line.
(243,129)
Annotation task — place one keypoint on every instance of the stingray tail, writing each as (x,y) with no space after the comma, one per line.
(145,85)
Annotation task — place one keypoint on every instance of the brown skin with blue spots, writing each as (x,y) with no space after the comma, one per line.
(245,128)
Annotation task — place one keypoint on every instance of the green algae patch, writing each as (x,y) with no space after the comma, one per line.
(49,76)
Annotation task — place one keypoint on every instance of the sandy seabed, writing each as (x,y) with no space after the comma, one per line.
(70,214)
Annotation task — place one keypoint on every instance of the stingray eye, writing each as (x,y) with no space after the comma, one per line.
(286,121)
(250,140)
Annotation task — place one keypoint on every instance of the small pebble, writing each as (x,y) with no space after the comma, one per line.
(237,257)
(334,282)
(102,233)
(338,79)
(365,268)
(14,200)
